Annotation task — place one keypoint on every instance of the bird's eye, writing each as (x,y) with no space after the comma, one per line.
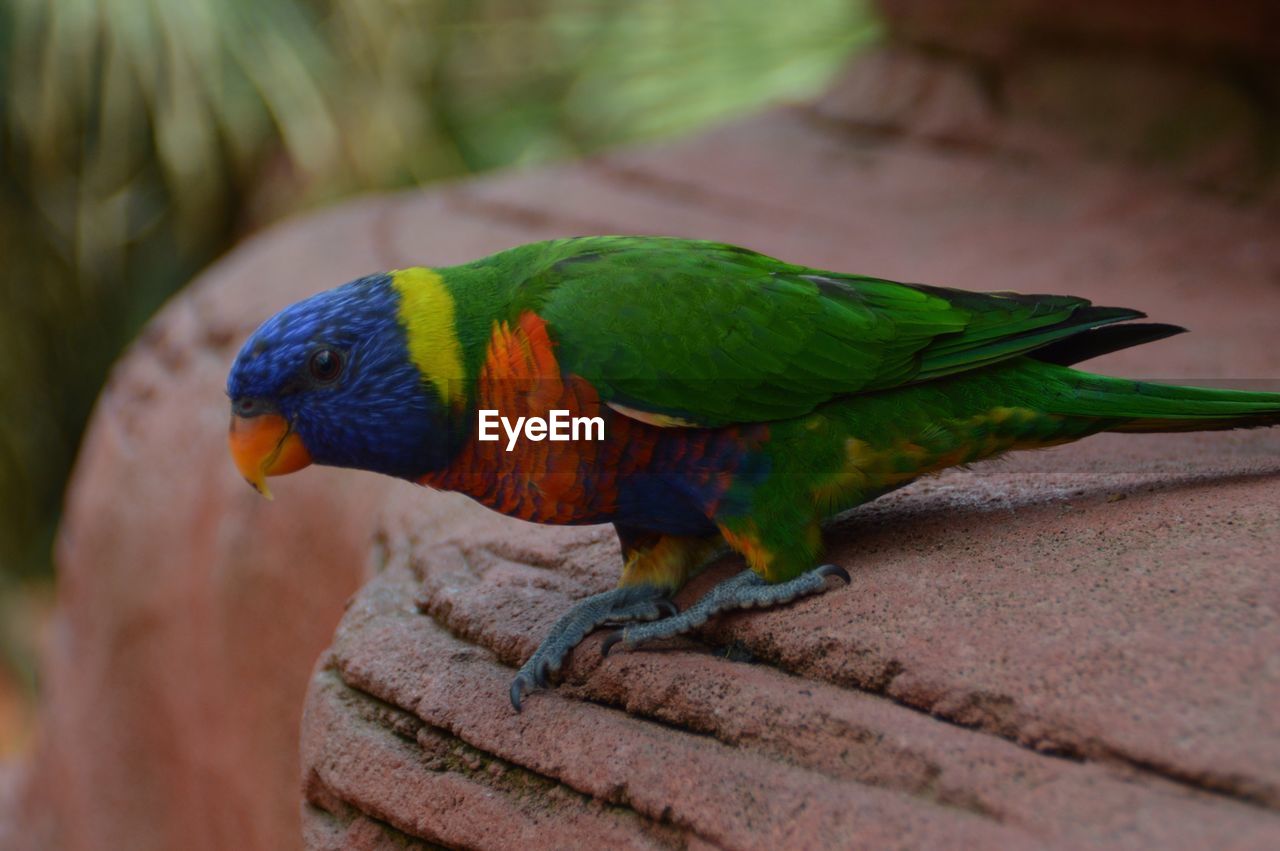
(325,365)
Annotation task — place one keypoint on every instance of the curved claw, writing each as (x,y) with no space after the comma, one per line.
(610,640)
(633,602)
(517,690)
(667,608)
(834,570)
(542,673)
(529,678)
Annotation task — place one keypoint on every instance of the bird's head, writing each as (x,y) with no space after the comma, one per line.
(330,380)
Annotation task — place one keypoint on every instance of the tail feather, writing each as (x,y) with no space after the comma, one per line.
(1142,406)
(1103,340)
(987,345)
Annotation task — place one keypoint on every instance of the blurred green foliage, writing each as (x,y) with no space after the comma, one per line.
(140,138)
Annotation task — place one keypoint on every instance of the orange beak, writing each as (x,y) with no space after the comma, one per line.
(264,446)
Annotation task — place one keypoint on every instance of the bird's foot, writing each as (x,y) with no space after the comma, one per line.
(621,605)
(747,590)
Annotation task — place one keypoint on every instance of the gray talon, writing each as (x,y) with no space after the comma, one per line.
(517,689)
(610,640)
(747,590)
(834,570)
(654,616)
(635,602)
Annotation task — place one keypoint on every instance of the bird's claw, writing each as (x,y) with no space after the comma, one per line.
(834,570)
(610,640)
(747,590)
(654,617)
(666,609)
(622,605)
(535,674)
(518,686)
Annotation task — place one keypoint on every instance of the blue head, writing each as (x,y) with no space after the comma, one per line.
(330,380)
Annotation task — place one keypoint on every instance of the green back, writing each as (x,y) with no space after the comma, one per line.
(710,334)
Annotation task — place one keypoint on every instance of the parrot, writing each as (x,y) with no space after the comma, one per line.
(745,403)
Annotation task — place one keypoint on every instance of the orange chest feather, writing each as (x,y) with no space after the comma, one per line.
(542,480)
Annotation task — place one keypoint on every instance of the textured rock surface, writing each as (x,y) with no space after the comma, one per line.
(1076,646)
(11,777)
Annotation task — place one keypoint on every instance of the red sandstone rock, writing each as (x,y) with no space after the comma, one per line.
(11,779)
(1101,617)
(189,609)
(1148,82)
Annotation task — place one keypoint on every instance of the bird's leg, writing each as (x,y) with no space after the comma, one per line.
(747,590)
(654,566)
(621,605)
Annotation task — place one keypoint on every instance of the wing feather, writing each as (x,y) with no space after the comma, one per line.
(679,332)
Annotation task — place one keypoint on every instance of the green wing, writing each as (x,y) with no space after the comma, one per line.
(696,333)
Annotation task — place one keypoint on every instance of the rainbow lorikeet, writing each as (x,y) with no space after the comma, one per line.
(725,398)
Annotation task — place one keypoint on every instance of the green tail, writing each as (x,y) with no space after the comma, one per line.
(1140,406)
